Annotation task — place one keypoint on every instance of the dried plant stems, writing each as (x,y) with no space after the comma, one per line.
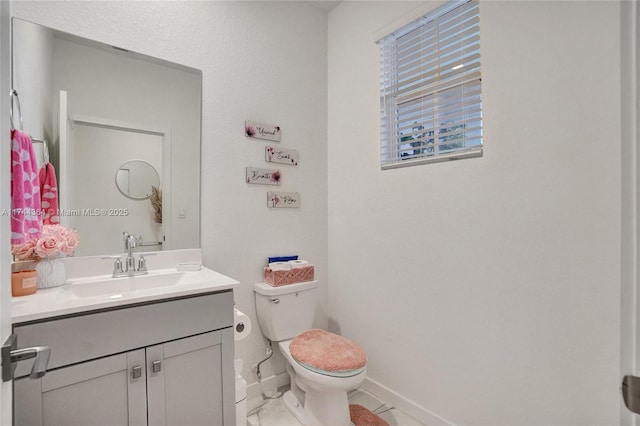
(156,203)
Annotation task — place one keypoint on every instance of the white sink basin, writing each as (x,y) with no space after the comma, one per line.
(115,287)
(90,287)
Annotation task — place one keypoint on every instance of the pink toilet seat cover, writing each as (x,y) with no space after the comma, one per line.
(326,351)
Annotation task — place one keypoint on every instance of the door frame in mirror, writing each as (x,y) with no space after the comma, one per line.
(165,179)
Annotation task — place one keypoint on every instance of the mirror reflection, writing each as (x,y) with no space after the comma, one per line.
(104,109)
(136,179)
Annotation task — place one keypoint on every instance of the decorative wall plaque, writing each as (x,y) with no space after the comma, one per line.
(280,155)
(280,200)
(253,129)
(263,176)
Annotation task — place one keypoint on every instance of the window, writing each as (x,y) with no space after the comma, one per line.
(430,88)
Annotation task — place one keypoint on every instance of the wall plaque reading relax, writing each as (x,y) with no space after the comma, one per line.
(263,176)
(283,199)
(253,129)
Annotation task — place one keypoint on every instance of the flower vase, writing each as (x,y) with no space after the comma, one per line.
(51,272)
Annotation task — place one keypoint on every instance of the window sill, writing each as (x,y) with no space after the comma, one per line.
(460,155)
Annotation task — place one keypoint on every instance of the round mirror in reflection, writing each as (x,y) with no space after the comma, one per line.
(135,178)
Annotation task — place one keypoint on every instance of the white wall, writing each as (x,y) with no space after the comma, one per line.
(262,61)
(487,291)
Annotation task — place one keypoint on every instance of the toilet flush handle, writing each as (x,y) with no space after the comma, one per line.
(274,300)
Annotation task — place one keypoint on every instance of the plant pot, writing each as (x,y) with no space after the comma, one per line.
(51,272)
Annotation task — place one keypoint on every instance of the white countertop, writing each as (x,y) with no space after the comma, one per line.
(84,291)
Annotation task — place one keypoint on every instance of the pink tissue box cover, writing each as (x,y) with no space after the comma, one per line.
(291,276)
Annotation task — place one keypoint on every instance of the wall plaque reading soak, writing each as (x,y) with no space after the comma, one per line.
(283,199)
(263,176)
(280,155)
(253,129)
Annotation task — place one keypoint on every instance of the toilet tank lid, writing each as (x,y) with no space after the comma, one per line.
(269,290)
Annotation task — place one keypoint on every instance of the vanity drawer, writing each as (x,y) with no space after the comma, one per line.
(93,335)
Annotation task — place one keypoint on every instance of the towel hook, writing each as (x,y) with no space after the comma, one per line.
(45,151)
(17,100)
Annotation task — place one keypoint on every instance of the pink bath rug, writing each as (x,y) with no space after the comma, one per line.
(326,351)
(360,416)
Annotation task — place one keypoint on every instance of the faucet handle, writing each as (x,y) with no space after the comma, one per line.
(117,265)
(142,262)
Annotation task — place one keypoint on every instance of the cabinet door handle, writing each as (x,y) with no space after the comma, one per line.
(136,372)
(156,366)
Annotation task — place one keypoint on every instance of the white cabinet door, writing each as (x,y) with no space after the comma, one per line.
(186,386)
(100,392)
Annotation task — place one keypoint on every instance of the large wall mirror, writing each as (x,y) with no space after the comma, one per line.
(100,107)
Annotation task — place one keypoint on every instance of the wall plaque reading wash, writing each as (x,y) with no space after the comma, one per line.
(280,200)
(253,129)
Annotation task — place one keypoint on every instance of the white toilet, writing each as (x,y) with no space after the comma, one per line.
(318,395)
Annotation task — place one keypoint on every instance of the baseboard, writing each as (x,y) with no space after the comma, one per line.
(421,414)
(271,383)
(405,405)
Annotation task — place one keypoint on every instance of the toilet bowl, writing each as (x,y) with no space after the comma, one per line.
(318,395)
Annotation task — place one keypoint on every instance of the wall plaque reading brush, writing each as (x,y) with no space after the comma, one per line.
(253,129)
(263,176)
(281,200)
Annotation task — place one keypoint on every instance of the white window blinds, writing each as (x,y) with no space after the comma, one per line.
(430,88)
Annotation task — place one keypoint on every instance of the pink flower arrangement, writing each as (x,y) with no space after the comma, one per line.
(56,240)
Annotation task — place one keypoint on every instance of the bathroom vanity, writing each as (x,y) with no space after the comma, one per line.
(132,355)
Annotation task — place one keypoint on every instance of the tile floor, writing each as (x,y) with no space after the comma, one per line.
(272,412)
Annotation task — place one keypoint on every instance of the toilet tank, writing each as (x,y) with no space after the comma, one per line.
(287,310)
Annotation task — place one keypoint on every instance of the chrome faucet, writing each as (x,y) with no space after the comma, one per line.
(129,244)
(131,267)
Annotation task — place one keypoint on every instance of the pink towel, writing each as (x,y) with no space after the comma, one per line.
(26,221)
(49,194)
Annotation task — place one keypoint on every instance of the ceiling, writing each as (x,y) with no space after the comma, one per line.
(326,5)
